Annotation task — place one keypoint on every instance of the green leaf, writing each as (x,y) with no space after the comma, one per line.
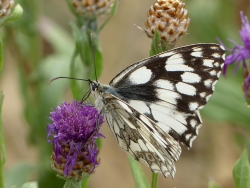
(32,184)
(212,184)
(138,174)
(156,47)
(18,175)
(16,14)
(241,171)
(1,54)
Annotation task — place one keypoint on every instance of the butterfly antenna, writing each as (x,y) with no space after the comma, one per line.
(93,54)
(86,95)
(88,80)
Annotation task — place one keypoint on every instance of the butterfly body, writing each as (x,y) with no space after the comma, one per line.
(153,105)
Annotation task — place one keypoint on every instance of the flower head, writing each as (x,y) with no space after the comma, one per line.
(241,53)
(170,18)
(92,8)
(5,7)
(73,133)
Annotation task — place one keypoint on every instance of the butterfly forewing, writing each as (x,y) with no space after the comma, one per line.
(153,105)
(184,77)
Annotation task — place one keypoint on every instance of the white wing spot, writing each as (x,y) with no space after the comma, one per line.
(191,140)
(212,73)
(214,47)
(216,64)
(222,47)
(199,116)
(188,136)
(178,67)
(186,89)
(148,145)
(155,168)
(224,56)
(208,62)
(218,74)
(142,145)
(216,55)
(196,54)
(116,129)
(122,143)
(197,49)
(197,128)
(175,59)
(139,106)
(190,77)
(125,106)
(213,85)
(203,94)
(208,83)
(165,84)
(168,96)
(140,76)
(193,123)
(166,54)
(193,106)
(207,97)
(146,121)
(134,146)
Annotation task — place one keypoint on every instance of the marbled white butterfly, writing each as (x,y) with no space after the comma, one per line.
(153,105)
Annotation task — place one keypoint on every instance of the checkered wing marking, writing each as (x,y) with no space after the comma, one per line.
(141,137)
(171,87)
(183,77)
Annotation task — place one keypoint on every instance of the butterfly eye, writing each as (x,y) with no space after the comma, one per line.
(93,86)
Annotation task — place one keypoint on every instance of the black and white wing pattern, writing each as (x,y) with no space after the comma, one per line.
(141,137)
(153,105)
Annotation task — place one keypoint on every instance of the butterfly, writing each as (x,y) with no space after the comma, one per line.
(152,106)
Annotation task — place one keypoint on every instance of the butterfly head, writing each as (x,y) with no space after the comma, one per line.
(94,86)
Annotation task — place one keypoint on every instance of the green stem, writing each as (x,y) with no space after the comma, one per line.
(85,182)
(2,145)
(72,184)
(154,180)
(1,177)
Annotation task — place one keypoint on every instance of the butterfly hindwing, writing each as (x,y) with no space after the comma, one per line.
(181,126)
(141,137)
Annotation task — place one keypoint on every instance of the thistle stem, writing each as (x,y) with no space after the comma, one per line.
(154,180)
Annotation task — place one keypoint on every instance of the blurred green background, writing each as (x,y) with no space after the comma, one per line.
(38,47)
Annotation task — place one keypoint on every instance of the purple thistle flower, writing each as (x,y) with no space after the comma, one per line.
(73,133)
(240,53)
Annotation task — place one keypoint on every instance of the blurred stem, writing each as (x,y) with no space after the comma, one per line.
(154,180)
(72,184)
(2,145)
(1,177)
(85,182)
